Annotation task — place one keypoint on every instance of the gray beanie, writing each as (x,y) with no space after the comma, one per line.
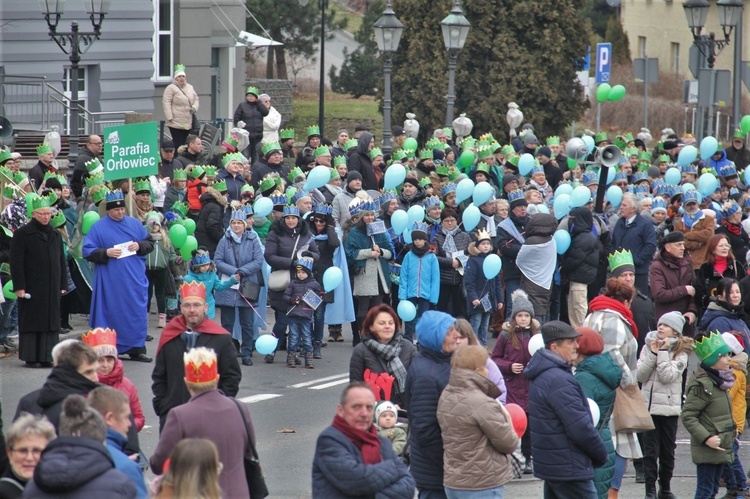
(558,330)
(520,303)
(674,319)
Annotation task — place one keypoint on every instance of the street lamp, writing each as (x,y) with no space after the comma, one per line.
(455,30)
(388,31)
(74,43)
(322,90)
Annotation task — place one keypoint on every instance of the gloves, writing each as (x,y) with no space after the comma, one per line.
(179,260)
(307,254)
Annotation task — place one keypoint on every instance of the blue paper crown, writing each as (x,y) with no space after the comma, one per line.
(640,177)
(323,209)
(239,214)
(115,195)
(536,169)
(621,176)
(447,189)
(589,178)
(291,211)
(689,196)
(658,182)
(421,226)
(278,199)
(727,170)
(690,168)
(730,208)
(299,195)
(385,197)
(640,196)
(354,206)
(746,203)
(515,195)
(248,209)
(658,204)
(662,190)
(306,263)
(369,205)
(202,258)
(430,202)
(640,189)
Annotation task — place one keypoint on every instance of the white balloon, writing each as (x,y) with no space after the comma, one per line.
(595,413)
(535,343)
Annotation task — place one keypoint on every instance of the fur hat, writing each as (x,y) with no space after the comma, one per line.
(521,303)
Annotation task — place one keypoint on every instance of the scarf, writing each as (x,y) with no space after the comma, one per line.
(490,224)
(237,239)
(731,228)
(508,226)
(690,220)
(449,246)
(367,442)
(721,264)
(603,302)
(419,252)
(390,353)
(143,207)
(538,262)
(724,379)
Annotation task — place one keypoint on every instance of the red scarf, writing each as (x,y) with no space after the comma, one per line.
(177,326)
(602,302)
(367,442)
(732,228)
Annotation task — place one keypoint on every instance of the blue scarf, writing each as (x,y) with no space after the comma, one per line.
(690,220)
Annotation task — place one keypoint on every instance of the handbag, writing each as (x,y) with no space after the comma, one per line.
(279,280)
(248,289)
(630,413)
(195,125)
(256,483)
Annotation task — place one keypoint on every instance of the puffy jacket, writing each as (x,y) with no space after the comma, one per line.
(565,444)
(209,229)
(116,379)
(252,113)
(478,435)
(295,291)
(341,206)
(477,285)
(660,375)
(177,102)
(599,376)
(716,164)
(213,284)
(722,317)
(162,257)
(707,412)
(116,447)
(195,189)
(360,162)
(696,238)
(504,355)
(449,275)
(78,468)
(234,184)
(639,238)
(364,358)
(738,392)
(667,279)
(245,259)
(509,246)
(278,252)
(707,278)
(420,277)
(581,261)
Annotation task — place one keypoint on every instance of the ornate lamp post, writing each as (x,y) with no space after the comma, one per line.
(455,30)
(322,90)
(388,30)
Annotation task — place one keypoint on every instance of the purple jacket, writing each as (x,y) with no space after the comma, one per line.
(504,355)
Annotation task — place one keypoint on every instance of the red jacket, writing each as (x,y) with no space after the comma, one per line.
(195,188)
(116,379)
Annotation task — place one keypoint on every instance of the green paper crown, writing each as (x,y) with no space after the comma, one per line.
(620,142)
(334,174)
(513,159)
(448,131)
(58,220)
(442,170)
(375,152)
(142,184)
(349,144)
(221,186)
(94,166)
(399,155)
(433,143)
(211,169)
(487,137)
(483,150)
(644,156)
(48,176)
(483,168)
(179,174)
(453,173)
(600,137)
(468,143)
(179,67)
(100,193)
(426,154)
(631,151)
(63,180)
(46,201)
(322,151)
(232,141)
(553,141)
(425,182)
(268,182)
(245,188)
(5,268)
(270,146)
(5,155)
(295,174)
(286,133)
(339,160)
(313,130)
(9,192)
(235,156)
(197,172)
(508,149)
(620,258)
(43,149)
(181,208)
(663,158)
(709,348)
(495,147)
(738,134)
(252,90)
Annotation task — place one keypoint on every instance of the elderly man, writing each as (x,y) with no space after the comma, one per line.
(697,226)
(39,272)
(209,414)
(425,380)
(252,112)
(510,238)
(189,330)
(565,443)
(43,166)
(351,460)
(93,149)
(738,152)
(117,245)
(168,162)
(636,234)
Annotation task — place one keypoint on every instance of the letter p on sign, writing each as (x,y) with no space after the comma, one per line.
(603,62)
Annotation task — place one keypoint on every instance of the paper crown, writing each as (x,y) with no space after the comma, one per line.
(487,137)
(115,195)
(5,155)
(420,227)
(513,159)
(620,176)
(709,348)
(663,158)
(248,209)
(270,147)
(252,90)
(269,182)
(98,195)
(619,259)
(746,203)
(727,170)
(430,202)
(291,211)
(238,214)
(48,176)
(484,151)
(348,144)
(63,179)
(181,208)
(386,197)
(193,289)
(640,177)
(5,268)
(295,174)
(689,168)
(334,174)
(179,174)
(227,158)
(305,262)
(536,169)
(179,67)
(690,197)
(46,201)
(231,142)
(658,204)
(141,185)
(58,220)
(426,154)
(640,189)
(323,209)
(211,170)
(483,168)
(631,151)
(644,156)
(298,195)
(375,152)
(221,186)
(102,340)
(369,204)
(730,208)
(94,166)
(589,178)
(662,190)
(246,188)
(739,134)
(278,199)
(321,151)
(453,173)
(201,366)
(43,149)
(433,143)
(447,189)
(483,235)
(442,170)
(286,133)
(600,137)
(515,195)
(339,160)
(354,206)
(410,153)
(313,131)
(198,171)
(554,140)
(398,156)
(468,143)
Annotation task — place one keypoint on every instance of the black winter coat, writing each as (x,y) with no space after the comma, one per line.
(326,247)
(80,172)
(209,229)
(252,113)
(449,275)
(364,358)
(261,168)
(278,254)
(360,162)
(293,297)
(740,244)
(510,246)
(707,278)
(581,261)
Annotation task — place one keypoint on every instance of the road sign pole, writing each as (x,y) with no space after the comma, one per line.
(711,98)
(598,115)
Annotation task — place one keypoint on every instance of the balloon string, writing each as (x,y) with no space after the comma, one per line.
(256,312)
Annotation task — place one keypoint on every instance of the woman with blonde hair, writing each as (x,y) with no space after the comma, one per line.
(193,471)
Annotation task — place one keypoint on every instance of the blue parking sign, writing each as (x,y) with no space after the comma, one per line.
(603,62)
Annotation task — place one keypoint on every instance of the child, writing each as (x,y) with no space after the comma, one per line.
(420,276)
(707,413)
(467,337)
(388,426)
(479,288)
(300,314)
(201,270)
(176,191)
(511,354)
(158,263)
(734,474)
(660,366)
(580,263)
(195,187)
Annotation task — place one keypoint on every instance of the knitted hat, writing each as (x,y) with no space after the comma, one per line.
(710,347)
(732,343)
(521,303)
(558,330)
(530,138)
(384,406)
(353,175)
(673,319)
(412,181)
(153,217)
(590,342)
(544,151)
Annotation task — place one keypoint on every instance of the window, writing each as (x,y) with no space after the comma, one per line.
(163,39)
(641,46)
(674,55)
(83,96)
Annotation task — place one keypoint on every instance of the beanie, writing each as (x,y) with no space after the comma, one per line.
(412,181)
(53,183)
(558,330)
(732,343)
(353,175)
(521,303)
(530,138)
(654,172)
(590,342)
(544,151)
(385,406)
(673,319)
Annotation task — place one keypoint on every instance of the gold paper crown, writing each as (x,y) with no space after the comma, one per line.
(193,289)
(200,365)
(483,235)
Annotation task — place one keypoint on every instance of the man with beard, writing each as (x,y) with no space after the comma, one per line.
(272,162)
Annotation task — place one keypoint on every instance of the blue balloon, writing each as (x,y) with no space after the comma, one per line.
(406,310)
(416,214)
(614,195)
(746,176)
(470,217)
(266,343)
(687,155)
(263,207)
(525,163)
(688,187)
(610,175)
(407,236)
(542,208)
(399,221)
(562,240)
(483,192)
(673,176)
(464,190)
(318,177)
(491,266)
(589,141)
(332,278)
(394,176)
(564,189)
(581,195)
(561,206)
(707,184)
(709,146)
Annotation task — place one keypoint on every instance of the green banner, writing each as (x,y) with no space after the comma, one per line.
(131,151)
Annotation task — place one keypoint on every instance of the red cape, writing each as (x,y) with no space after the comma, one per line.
(177,326)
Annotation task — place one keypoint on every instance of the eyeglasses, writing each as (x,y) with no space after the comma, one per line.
(25,451)
(723,246)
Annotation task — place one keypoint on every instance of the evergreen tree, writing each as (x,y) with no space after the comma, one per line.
(599,13)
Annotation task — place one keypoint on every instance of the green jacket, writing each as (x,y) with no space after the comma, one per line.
(707,412)
(161,257)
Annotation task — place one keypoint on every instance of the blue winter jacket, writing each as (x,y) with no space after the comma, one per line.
(116,446)
(426,378)
(477,285)
(420,277)
(564,442)
(212,283)
(639,238)
(718,318)
(250,257)
(339,472)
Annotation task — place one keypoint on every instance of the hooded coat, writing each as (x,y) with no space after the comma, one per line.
(245,258)
(360,162)
(209,229)
(116,379)
(581,261)
(660,375)
(539,232)
(280,244)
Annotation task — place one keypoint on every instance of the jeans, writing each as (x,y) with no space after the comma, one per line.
(422,306)
(299,332)
(432,494)
(246,321)
(6,321)
(497,492)
(480,321)
(734,474)
(510,286)
(319,323)
(157,284)
(707,480)
(620,464)
(583,489)
(660,443)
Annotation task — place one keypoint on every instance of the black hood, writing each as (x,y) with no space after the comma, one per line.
(69,463)
(363,144)
(581,221)
(61,382)
(541,224)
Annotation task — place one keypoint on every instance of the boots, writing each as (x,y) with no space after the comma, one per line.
(236,344)
(162,321)
(269,357)
(528,468)
(732,493)
(297,358)
(640,476)
(291,359)
(316,350)
(309,360)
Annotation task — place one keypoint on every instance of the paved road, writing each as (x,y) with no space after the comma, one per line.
(289,408)
(334,56)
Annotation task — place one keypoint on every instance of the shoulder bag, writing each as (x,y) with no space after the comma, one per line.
(279,280)
(630,413)
(195,125)
(248,289)
(256,483)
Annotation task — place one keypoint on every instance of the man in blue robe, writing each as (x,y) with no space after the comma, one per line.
(120,295)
